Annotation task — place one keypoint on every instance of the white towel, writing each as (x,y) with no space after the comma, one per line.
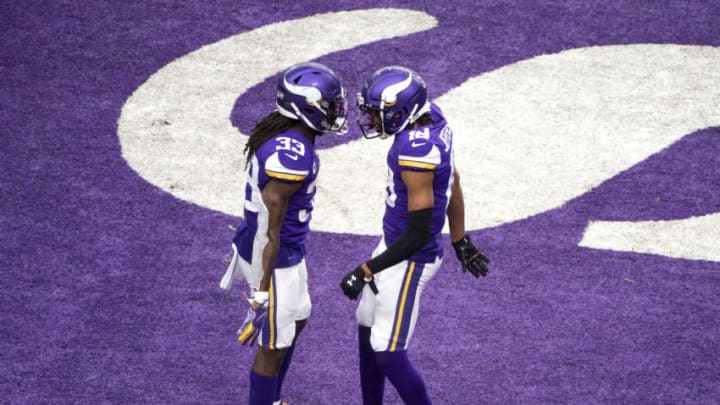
(233,271)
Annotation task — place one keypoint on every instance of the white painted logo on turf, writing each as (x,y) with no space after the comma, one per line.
(528,137)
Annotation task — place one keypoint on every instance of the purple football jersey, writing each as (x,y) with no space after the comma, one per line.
(426,148)
(287,157)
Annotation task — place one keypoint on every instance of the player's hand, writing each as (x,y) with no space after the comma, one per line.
(252,325)
(471,258)
(353,283)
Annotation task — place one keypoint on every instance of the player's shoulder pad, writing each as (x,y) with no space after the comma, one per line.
(417,151)
(291,158)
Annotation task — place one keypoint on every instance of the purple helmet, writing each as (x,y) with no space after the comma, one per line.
(391,98)
(312,93)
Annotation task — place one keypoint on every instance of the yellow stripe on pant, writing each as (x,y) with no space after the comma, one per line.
(401,309)
(271,310)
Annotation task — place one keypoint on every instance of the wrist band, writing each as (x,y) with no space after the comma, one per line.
(261,297)
(465,239)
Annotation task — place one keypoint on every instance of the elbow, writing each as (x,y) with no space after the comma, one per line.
(273,238)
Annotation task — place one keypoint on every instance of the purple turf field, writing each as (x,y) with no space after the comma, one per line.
(110,283)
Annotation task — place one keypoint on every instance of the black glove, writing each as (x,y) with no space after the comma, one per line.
(471,258)
(353,283)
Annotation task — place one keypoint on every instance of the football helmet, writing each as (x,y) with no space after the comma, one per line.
(312,93)
(391,98)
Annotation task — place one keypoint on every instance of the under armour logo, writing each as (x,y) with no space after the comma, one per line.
(352,280)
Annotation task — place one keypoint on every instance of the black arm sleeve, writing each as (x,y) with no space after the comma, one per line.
(415,237)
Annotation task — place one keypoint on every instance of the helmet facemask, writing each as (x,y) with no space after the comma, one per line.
(371,121)
(335,112)
(379,123)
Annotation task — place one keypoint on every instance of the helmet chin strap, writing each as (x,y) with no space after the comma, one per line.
(343,129)
(425,108)
(411,117)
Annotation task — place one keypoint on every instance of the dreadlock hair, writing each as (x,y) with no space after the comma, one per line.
(424,120)
(271,125)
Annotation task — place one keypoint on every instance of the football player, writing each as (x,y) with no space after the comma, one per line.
(269,246)
(423,188)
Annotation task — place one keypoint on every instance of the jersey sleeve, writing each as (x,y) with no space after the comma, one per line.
(418,155)
(288,166)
